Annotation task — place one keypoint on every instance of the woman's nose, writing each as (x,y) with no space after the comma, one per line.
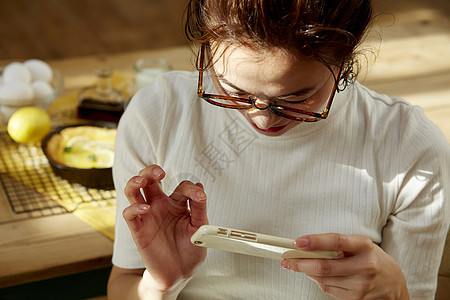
(264,119)
(261,104)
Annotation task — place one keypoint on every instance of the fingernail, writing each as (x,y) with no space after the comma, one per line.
(143,207)
(138,179)
(301,243)
(285,264)
(340,254)
(157,172)
(200,195)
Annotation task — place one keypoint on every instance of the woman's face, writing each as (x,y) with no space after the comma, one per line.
(273,75)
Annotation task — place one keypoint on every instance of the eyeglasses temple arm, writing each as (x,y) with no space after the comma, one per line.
(325,113)
(200,69)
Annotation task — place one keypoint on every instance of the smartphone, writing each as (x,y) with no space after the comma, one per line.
(251,243)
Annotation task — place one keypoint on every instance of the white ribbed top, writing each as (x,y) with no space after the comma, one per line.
(375,167)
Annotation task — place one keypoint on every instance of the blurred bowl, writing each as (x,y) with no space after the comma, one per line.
(100,178)
(9,106)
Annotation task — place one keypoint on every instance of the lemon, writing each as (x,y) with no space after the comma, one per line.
(28,125)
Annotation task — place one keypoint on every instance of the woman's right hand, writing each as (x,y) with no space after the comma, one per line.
(162,226)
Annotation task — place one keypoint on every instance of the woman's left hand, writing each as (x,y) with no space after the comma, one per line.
(362,270)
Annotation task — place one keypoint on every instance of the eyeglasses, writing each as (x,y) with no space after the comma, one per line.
(289,112)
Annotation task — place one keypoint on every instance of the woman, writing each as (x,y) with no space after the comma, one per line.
(292,146)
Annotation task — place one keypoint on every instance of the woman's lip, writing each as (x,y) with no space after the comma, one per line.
(270,129)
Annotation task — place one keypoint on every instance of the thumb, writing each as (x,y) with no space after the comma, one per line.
(198,208)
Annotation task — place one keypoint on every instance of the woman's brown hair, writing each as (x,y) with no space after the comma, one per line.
(325,30)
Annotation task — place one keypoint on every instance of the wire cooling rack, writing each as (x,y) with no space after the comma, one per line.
(31,185)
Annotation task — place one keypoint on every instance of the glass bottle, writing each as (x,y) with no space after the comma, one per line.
(101,102)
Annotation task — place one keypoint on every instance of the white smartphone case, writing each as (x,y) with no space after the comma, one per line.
(251,243)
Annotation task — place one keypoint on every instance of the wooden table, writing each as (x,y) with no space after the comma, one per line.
(415,67)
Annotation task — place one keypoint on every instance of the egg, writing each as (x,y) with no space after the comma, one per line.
(16,72)
(43,92)
(16,93)
(39,69)
(6,112)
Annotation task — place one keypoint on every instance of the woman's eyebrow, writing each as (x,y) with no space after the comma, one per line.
(301,92)
(224,80)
